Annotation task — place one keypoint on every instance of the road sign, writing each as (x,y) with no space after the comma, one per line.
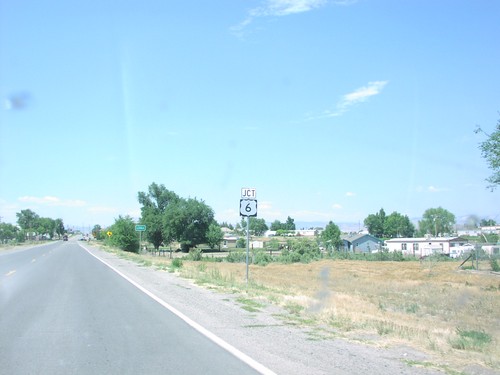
(248,193)
(248,207)
(140,228)
(109,233)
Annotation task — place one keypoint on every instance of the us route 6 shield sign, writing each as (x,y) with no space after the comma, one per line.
(248,207)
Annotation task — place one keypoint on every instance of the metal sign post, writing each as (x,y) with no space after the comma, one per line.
(248,208)
(248,247)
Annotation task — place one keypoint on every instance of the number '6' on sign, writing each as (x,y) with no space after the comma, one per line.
(248,207)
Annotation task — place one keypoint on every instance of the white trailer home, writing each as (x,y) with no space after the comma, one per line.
(425,246)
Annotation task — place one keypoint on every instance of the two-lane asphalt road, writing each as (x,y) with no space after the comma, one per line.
(64,312)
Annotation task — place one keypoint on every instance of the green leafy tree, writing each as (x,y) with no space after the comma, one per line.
(488,222)
(27,220)
(241,243)
(395,225)
(289,225)
(276,225)
(375,223)
(436,221)
(154,204)
(214,235)
(490,151)
(124,236)
(46,226)
(331,237)
(8,232)
(186,221)
(97,232)
(398,225)
(257,226)
(59,227)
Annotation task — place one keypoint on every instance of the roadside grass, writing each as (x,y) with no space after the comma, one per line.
(450,314)
(433,308)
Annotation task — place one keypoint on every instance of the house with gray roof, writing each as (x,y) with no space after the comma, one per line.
(360,243)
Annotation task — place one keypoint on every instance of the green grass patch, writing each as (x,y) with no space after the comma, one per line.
(249,305)
(470,340)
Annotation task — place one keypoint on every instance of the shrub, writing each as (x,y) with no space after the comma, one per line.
(236,257)
(383,255)
(124,236)
(261,258)
(195,254)
(341,255)
(176,263)
(494,265)
(289,257)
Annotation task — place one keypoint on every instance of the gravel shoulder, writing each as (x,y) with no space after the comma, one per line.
(282,348)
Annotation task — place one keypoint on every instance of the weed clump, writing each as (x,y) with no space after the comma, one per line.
(470,340)
(195,254)
(495,267)
(176,264)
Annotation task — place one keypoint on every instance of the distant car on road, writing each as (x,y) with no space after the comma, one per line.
(65,237)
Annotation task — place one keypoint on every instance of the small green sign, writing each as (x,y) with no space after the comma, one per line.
(140,228)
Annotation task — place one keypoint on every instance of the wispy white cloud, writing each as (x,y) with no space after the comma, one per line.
(435,189)
(287,7)
(52,201)
(353,98)
(350,194)
(337,206)
(280,8)
(431,189)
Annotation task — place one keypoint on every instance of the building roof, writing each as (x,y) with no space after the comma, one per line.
(354,237)
(427,239)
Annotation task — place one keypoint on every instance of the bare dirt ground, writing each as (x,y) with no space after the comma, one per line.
(282,339)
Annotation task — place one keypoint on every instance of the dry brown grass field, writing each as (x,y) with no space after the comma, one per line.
(451,314)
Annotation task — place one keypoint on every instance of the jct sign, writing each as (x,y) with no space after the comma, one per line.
(248,193)
(248,202)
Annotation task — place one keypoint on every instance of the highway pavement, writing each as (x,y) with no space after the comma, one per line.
(62,311)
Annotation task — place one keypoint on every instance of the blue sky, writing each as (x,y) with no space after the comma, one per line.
(330,109)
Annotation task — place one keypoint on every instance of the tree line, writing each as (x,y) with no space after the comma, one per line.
(31,226)
(435,221)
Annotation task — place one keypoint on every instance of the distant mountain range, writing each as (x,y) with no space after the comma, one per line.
(344,227)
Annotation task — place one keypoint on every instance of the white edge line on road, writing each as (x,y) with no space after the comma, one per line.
(216,339)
